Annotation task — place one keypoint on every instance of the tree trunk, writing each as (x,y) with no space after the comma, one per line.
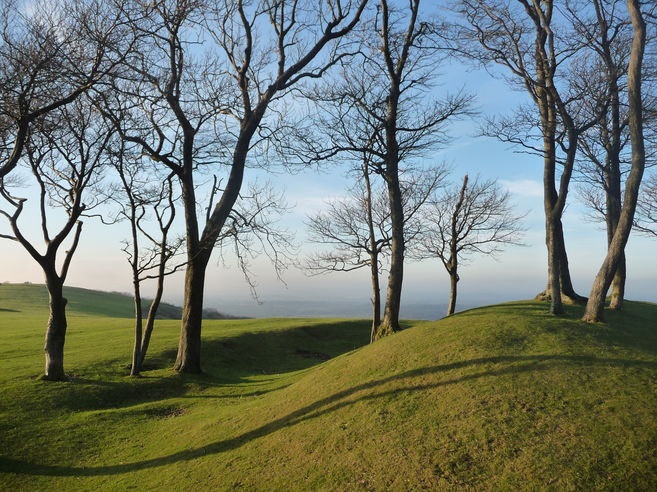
(152,313)
(595,305)
(568,293)
(554,265)
(614,205)
(565,282)
(390,323)
(56,331)
(374,255)
(453,279)
(376,297)
(189,344)
(135,367)
(552,222)
(188,358)
(618,285)
(612,172)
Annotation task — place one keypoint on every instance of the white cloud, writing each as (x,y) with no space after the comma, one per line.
(523,187)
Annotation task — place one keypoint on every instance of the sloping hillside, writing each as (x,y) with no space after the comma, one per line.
(498,398)
(31,298)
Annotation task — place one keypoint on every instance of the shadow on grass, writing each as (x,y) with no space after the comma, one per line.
(229,361)
(518,364)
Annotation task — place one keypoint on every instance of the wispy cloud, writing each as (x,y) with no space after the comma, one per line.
(523,187)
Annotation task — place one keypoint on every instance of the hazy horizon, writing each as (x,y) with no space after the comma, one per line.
(520,272)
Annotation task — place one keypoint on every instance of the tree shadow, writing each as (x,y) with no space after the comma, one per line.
(341,399)
(241,361)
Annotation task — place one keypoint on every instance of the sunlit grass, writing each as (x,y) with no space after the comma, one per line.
(497,398)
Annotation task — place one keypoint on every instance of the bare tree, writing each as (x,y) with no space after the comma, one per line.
(189,109)
(150,249)
(523,37)
(50,54)
(474,219)
(605,34)
(380,109)
(64,158)
(358,228)
(595,304)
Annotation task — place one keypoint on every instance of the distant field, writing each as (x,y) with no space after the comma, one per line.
(497,398)
(30,298)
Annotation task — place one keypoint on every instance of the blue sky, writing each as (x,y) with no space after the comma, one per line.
(518,273)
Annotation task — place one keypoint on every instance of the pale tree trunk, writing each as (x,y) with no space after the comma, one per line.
(595,306)
(453,282)
(618,285)
(56,331)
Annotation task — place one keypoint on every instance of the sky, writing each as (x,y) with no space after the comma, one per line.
(518,273)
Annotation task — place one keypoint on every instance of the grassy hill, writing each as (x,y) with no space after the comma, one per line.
(31,298)
(497,398)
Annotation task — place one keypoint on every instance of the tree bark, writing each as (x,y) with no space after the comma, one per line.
(390,323)
(567,290)
(613,216)
(56,331)
(551,221)
(554,265)
(453,280)
(135,367)
(152,312)
(376,297)
(618,285)
(189,344)
(595,306)
(568,293)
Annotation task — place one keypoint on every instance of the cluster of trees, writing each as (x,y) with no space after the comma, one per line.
(171,101)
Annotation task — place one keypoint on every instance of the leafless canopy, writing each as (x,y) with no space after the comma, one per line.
(51,52)
(645,220)
(475,218)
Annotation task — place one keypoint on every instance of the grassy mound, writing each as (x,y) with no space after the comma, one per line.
(491,399)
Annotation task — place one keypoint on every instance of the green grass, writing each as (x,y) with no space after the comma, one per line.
(497,398)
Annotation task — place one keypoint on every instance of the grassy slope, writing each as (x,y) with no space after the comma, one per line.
(494,398)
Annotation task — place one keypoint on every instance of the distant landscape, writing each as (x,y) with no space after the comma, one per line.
(114,304)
